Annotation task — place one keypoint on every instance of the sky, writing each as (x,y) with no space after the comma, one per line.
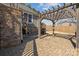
(45,6)
(41,7)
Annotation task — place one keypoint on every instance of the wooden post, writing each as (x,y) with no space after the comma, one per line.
(53,25)
(21,27)
(39,28)
(77,31)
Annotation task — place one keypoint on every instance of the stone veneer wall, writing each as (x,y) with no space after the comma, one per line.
(10,29)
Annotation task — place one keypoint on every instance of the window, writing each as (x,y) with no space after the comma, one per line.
(30,18)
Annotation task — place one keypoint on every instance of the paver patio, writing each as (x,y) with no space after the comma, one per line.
(49,46)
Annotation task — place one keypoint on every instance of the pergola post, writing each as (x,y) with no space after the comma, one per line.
(39,28)
(53,25)
(77,31)
(21,26)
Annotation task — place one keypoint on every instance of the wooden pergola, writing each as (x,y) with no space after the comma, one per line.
(64,12)
(67,11)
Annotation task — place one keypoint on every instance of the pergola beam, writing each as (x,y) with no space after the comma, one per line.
(61,8)
(53,14)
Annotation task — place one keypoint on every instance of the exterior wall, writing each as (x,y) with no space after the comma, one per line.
(35,27)
(22,6)
(31,27)
(11,23)
(24,22)
(10,27)
(35,22)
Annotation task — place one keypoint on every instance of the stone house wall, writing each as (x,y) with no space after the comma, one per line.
(10,29)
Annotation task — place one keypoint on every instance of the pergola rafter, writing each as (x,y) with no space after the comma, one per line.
(55,14)
(60,8)
(66,15)
(60,15)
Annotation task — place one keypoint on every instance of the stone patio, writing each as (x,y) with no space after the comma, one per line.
(55,46)
(46,46)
